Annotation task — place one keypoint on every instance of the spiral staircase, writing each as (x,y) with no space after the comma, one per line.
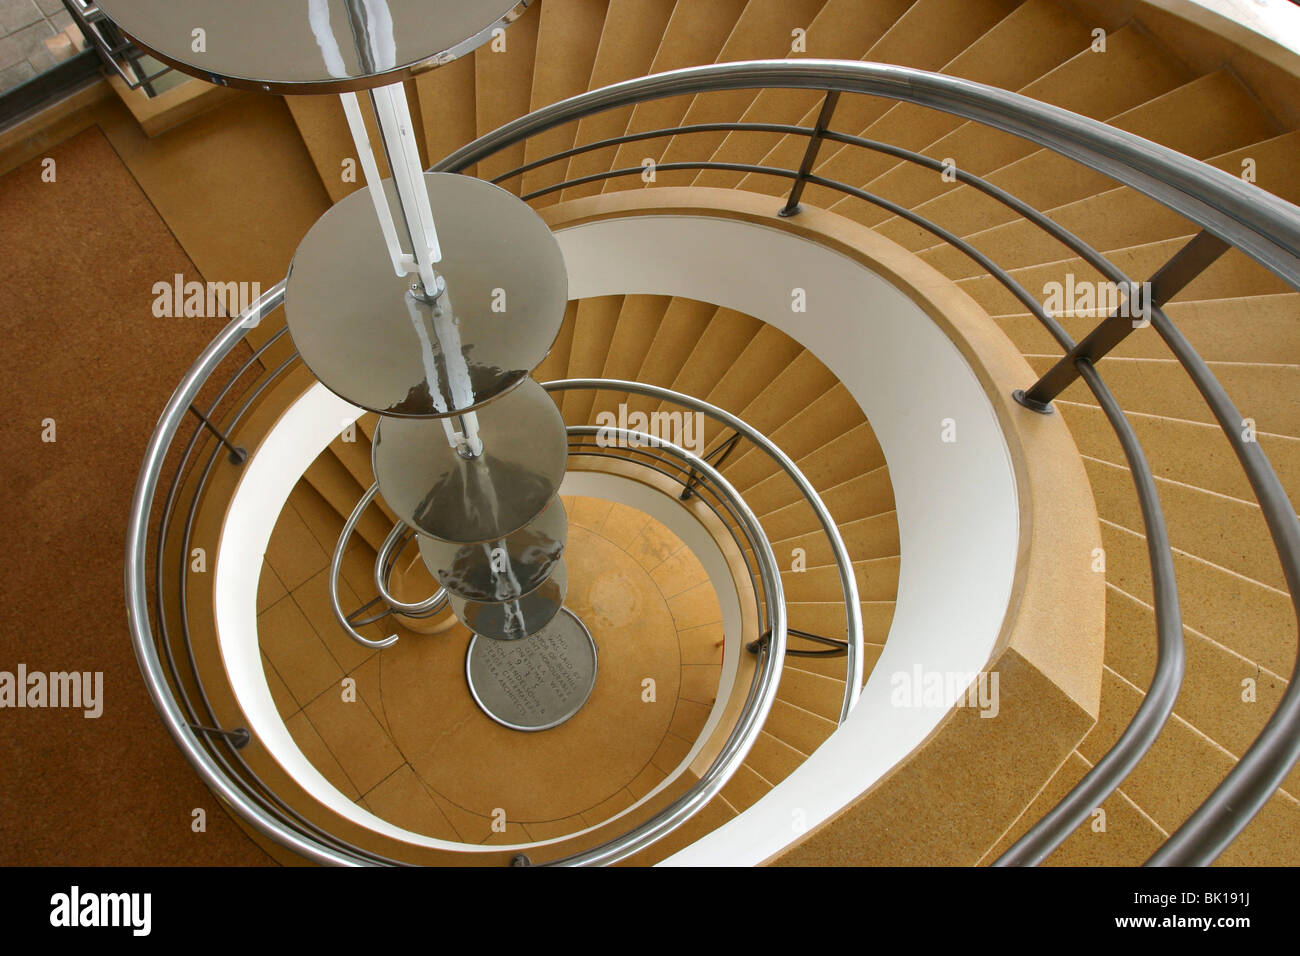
(892,178)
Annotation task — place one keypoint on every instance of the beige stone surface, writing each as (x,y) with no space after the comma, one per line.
(413,747)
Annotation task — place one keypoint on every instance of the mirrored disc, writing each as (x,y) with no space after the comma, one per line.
(499,570)
(538,683)
(311,46)
(515,620)
(368,340)
(439,493)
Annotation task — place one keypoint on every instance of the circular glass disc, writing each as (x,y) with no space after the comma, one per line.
(309,46)
(537,683)
(499,570)
(517,619)
(439,493)
(372,343)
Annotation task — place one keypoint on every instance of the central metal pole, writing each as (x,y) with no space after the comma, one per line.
(428,301)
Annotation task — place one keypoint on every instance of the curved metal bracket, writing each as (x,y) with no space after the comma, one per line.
(388,552)
(396,539)
(336,563)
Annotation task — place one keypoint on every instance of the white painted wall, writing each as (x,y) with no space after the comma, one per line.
(958,514)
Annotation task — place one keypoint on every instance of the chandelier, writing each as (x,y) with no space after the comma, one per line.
(428,299)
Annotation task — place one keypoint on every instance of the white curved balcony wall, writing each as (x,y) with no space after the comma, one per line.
(269,476)
(958,515)
(956,501)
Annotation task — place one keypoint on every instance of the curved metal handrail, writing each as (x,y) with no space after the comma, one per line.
(1157,705)
(1263,226)
(683,476)
(770,598)
(1267,229)
(231,760)
(336,565)
(843,563)
(762,690)
(383,568)
(388,552)
(137,596)
(1262,768)
(187,735)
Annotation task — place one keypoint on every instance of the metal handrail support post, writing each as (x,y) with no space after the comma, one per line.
(837,645)
(791,207)
(1170,279)
(238,454)
(239,738)
(722,451)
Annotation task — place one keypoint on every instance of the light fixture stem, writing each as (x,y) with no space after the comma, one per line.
(370,169)
(398,136)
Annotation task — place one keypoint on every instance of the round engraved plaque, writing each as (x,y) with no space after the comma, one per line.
(537,683)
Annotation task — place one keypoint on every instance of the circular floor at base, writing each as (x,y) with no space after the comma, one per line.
(539,682)
(628,575)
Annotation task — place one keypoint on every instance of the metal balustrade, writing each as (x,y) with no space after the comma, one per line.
(213,750)
(1229,213)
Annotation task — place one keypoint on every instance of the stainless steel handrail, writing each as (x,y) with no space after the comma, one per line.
(388,552)
(843,563)
(762,690)
(336,565)
(137,595)
(757,705)
(1104,777)
(674,471)
(1157,704)
(1263,767)
(383,567)
(1262,226)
